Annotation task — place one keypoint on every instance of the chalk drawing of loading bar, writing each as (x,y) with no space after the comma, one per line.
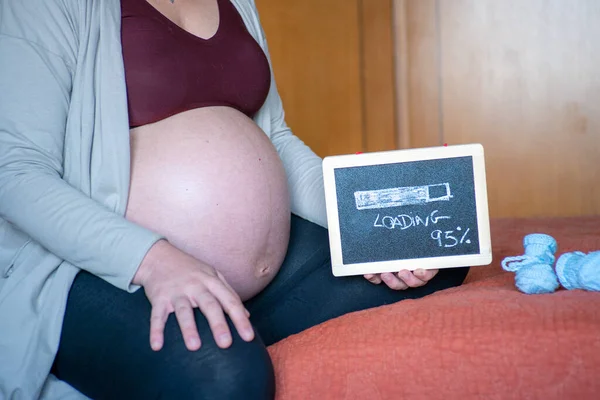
(402,196)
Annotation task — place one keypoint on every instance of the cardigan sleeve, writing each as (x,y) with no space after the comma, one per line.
(303,167)
(35,87)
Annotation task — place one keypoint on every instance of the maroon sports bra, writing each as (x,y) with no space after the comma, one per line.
(169,70)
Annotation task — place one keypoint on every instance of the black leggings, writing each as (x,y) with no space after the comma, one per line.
(105,353)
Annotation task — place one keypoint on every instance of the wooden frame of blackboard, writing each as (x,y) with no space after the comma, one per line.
(474,153)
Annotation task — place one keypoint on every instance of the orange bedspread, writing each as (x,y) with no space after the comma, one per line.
(483,340)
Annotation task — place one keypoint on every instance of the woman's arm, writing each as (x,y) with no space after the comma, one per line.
(303,168)
(38,50)
(35,85)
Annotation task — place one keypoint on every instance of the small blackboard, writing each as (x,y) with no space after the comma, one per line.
(407,209)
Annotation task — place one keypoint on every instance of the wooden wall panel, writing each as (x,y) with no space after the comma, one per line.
(378,84)
(333,62)
(314,45)
(523,78)
(418,83)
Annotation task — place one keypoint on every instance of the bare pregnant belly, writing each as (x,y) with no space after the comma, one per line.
(211,182)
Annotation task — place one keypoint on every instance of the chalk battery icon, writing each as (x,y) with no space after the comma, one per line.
(402,196)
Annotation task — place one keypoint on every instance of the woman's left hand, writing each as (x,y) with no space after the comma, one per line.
(404,279)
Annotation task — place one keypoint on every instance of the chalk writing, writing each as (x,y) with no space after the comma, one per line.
(448,239)
(406,221)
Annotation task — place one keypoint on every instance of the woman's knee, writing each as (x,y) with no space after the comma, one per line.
(242,371)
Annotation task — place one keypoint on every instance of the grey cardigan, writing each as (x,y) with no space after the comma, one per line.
(64,173)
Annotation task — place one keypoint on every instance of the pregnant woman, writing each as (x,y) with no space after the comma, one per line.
(160,225)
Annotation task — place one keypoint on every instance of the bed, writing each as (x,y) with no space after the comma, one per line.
(482,340)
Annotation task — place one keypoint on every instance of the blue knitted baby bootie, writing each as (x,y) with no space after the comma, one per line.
(534,272)
(578,270)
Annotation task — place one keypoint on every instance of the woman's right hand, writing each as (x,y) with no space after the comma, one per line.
(177,282)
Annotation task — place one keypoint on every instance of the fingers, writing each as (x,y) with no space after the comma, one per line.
(211,308)
(185,283)
(406,279)
(410,279)
(373,278)
(158,319)
(426,274)
(393,282)
(187,323)
(233,306)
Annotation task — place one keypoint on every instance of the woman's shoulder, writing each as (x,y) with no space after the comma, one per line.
(247,3)
(249,13)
